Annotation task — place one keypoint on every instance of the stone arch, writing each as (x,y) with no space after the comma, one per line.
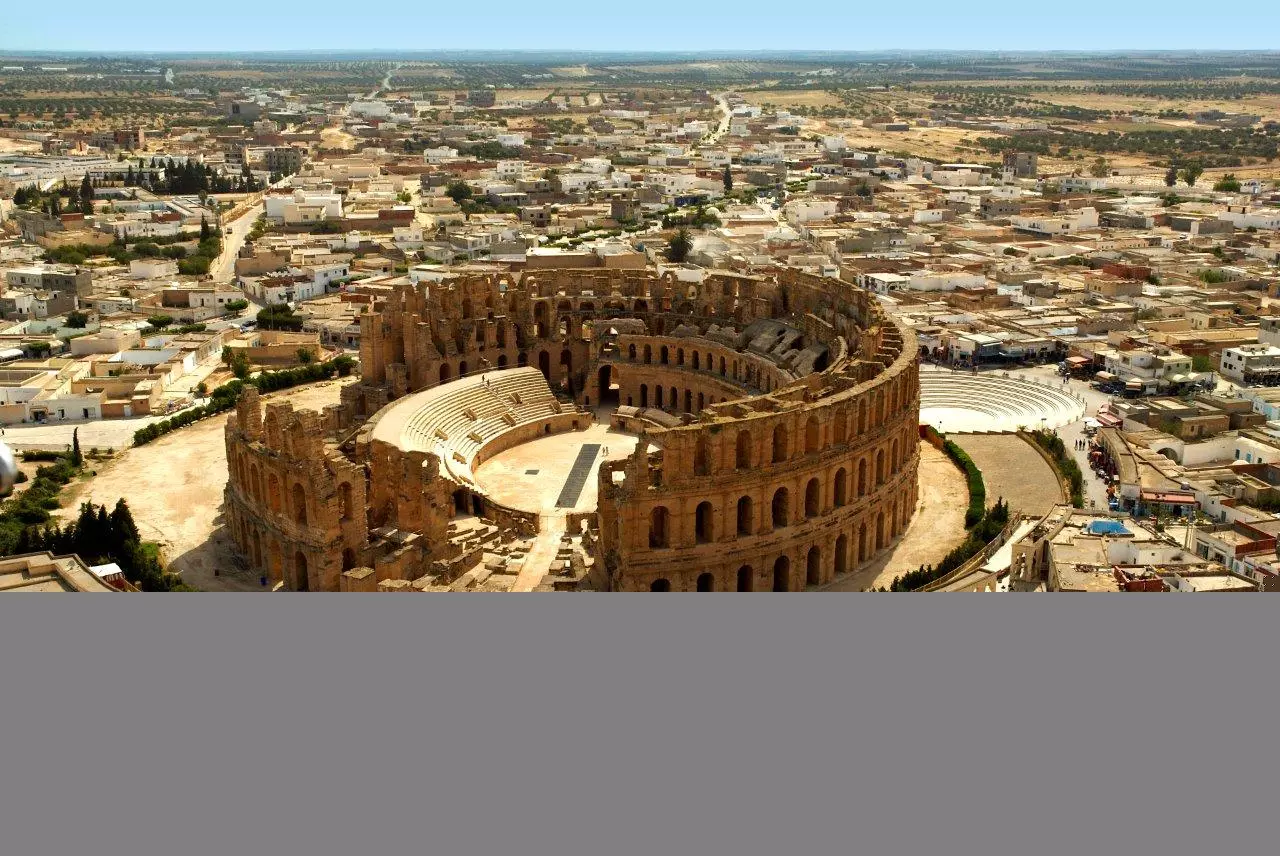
(697,361)
(779,443)
(275,501)
(780,508)
(782,574)
(841,426)
(841,555)
(660,584)
(644,395)
(840,488)
(631,352)
(812,498)
(648,353)
(812,435)
(813,566)
(704,527)
(742,450)
(701,457)
(298,501)
(664,355)
(301,572)
(862,476)
(659,527)
(706,582)
(746,515)
(746,578)
(880,467)
(445,373)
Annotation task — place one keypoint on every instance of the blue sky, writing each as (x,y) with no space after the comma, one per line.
(646,25)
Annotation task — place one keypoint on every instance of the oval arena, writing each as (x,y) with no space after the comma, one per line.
(611,430)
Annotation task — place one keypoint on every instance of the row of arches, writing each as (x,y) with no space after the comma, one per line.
(266,490)
(812,565)
(739,369)
(781,446)
(709,523)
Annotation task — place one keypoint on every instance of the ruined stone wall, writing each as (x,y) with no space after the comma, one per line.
(780,479)
(782,490)
(294,504)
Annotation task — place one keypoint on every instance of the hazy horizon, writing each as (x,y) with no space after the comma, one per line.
(659,27)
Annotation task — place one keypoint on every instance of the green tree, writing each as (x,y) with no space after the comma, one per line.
(728,180)
(1100,168)
(77,459)
(160,321)
(458,191)
(679,246)
(86,187)
(1171,177)
(205,233)
(1191,173)
(1227,184)
(305,356)
(77,319)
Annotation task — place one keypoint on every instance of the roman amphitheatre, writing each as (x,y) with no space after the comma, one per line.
(606,430)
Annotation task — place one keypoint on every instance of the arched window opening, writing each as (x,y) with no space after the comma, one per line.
(706,582)
(299,497)
(782,574)
(746,579)
(781,508)
(703,523)
(779,444)
(701,459)
(812,498)
(658,527)
(746,515)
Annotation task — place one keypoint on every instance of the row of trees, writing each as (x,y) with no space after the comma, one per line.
(190,177)
(224,397)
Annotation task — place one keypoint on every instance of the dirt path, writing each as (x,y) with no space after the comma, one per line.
(1013,469)
(174,487)
(935,530)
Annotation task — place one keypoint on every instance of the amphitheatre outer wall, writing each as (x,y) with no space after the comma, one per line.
(784,412)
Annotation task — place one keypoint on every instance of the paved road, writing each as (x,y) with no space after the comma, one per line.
(106,433)
(223,269)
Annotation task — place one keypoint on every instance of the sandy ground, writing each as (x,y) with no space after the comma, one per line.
(174,488)
(1012,469)
(935,530)
(530,476)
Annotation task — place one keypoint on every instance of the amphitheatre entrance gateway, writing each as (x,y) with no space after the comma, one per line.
(615,430)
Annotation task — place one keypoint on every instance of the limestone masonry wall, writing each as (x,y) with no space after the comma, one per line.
(790,456)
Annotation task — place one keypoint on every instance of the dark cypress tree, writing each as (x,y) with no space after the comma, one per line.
(86,187)
(77,459)
(204,228)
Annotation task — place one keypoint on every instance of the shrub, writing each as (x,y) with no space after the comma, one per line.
(1063,462)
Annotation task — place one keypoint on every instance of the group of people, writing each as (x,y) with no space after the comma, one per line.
(1082,445)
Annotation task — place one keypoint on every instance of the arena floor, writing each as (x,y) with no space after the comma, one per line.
(532,476)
